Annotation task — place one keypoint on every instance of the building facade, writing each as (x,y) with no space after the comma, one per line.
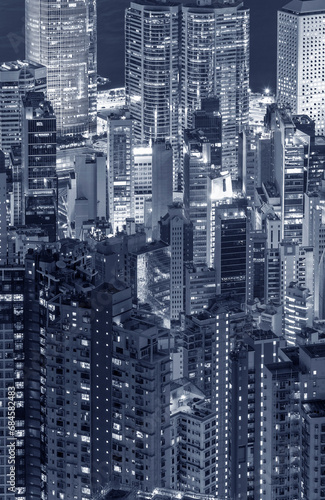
(39,177)
(62,36)
(16,79)
(300,82)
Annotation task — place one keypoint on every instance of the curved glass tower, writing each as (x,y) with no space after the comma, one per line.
(178,53)
(61,34)
(215,62)
(151,40)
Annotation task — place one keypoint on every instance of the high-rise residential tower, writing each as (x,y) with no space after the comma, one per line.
(62,36)
(301,57)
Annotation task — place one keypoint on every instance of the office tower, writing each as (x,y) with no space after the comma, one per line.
(315,155)
(120,165)
(40,184)
(191,416)
(215,61)
(194,38)
(273,266)
(197,186)
(3,211)
(252,350)
(16,188)
(88,200)
(249,162)
(62,37)
(140,435)
(162,182)
(208,120)
(200,287)
(316,162)
(142,181)
(314,237)
(16,79)
(289,163)
(258,265)
(177,231)
(12,414)
(301,59)
(231,247)
(151,69)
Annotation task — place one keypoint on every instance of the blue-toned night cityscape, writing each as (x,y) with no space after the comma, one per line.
(162,251)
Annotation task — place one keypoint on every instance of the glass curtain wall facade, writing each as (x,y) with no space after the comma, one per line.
(176,56)
(16,79)
(62,36)
(151,78)
(215,62)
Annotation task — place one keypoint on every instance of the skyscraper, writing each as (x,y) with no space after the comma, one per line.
(3,211)
(178,54)
(62,36)
(231,247)
(151,68)
(16,79)
(215,62)
(301,58)
(40,184)
(120,162)
(290,145)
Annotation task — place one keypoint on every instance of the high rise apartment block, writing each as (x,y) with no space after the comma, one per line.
(140,437)
(247,359)
(193,440)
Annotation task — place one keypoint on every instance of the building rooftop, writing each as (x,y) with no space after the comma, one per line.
(314,350)
(18,65)
(152,247)
(282,368)
(301,7)
(314,409)
(189,3)
(262,335)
